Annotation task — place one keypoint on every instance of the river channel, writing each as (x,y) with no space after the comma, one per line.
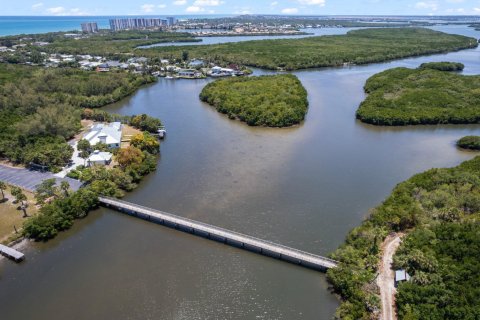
(304,187)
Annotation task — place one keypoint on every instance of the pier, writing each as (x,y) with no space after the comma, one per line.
(11,253)
(225,236)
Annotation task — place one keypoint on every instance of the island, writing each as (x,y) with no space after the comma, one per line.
(403,96)
(356,47)
(469,142)
(272,101)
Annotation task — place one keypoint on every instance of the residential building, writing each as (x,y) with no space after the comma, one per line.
(89,27)
(136,23)
(171,21)
(98,158)
(401,276)
(109,134)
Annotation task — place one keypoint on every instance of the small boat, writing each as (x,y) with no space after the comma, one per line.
(161,132)
(169,77)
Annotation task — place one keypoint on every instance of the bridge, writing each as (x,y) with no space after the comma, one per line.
(225,236)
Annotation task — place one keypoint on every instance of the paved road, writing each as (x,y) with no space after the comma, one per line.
(29,179)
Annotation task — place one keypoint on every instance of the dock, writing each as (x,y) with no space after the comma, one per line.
(11,253)
(222,235)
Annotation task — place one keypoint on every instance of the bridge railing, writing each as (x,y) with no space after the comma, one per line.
(131,206)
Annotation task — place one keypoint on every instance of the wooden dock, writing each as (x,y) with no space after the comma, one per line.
(232,238)
(11,253)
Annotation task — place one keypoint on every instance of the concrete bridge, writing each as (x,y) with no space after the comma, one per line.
(232,238)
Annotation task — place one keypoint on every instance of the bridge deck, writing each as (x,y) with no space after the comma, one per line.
(230,237)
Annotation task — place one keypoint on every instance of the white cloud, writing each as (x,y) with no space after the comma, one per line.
(62,11)
(476,10)
(56,10)
(193,9)
(147,7)
(207,3)
(274,3)
(427,5)
(290,10)
(180,2)
(162,6)
(37,6)
(312,2)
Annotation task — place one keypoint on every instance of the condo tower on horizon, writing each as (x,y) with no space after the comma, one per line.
(89,27)
(140,23)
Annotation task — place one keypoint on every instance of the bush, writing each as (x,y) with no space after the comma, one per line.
(469,142)
(443,66)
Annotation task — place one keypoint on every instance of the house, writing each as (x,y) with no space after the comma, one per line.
(195,64)
(99,158)
(109,134)
(401,276)
(104,67)
(186,73)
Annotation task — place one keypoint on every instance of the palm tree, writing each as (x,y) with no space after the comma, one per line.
(21,197)
(3,186)
(65,186)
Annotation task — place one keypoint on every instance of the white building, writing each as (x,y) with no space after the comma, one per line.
(98,158)
(109,134)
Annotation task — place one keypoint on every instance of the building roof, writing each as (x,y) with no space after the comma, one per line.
(401,275)
(98,156)
(112,132)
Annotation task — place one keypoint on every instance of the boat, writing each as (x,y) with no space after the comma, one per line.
(161,132)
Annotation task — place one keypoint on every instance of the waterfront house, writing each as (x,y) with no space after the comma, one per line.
(109,134)
(99,158)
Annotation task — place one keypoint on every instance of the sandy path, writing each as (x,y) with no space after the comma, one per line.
(386,277)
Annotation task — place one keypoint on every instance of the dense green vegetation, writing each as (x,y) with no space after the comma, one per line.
(40,109)
(356,47)
(443,66)
(404,96)
(59,214)
(105,43)
(440,210)
(274,101)
(469,142)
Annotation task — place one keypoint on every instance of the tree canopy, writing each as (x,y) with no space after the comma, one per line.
(273,101)
(403,96)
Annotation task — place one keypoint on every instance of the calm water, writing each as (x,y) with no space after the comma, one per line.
(216,40)
(305,187)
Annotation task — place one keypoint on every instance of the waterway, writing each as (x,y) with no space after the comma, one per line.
(226,39)
(304,187)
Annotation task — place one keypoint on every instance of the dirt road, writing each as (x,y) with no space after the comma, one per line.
(386,277)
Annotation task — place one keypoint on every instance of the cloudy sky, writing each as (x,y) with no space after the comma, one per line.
(203,7)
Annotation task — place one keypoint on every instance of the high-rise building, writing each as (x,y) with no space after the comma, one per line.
(171,21)
(136,23)
(89,27)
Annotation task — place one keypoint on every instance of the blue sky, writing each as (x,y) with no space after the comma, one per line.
(203,7)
